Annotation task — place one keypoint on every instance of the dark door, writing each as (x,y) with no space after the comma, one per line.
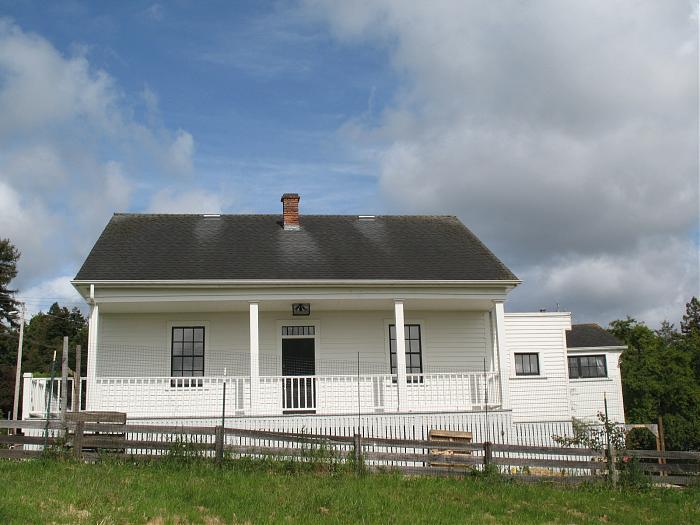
(298,359)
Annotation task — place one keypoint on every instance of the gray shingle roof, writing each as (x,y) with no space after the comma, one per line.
(191,247)
(589,336)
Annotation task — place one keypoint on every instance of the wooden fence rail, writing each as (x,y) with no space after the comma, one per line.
(85,434)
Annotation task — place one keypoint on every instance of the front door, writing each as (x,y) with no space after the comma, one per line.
(298,359)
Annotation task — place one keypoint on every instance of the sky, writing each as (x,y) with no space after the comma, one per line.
(563,133)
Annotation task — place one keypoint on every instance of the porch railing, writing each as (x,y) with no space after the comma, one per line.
(173,397)
(39,390)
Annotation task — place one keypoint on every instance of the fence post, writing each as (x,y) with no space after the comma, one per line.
(76,380)
(78,439)
(612,469)
(219,443)
(662,447)
(357,441)
(49,393)
(487,454)
(64,380)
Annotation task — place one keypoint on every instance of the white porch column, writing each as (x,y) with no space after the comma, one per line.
(503,353)
(254,358)
(93,326)
(400,356)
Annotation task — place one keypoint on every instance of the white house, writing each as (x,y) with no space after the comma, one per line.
(292,320)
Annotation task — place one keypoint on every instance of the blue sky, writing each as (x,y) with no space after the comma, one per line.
(261,86)
(564,135)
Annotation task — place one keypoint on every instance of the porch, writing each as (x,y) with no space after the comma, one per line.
(194,353)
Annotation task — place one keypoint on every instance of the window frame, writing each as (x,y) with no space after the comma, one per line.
(177,379)
(393,370)
(529,355)
(580,367)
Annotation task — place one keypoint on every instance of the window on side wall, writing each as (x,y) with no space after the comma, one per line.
(414,350)
(527,364)
(187,355)
(587,366)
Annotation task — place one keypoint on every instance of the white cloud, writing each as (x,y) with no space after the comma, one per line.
(185,201)
(43,88)
(70,153)
(180,152)
(154,12)
(600,286)
(57,289)
(563,133)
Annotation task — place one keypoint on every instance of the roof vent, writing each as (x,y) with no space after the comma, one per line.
(366,217)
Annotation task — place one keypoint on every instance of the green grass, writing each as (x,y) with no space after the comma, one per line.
(197,492)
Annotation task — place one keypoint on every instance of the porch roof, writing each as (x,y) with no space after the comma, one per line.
(138,247)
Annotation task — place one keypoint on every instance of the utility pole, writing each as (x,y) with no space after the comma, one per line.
(18,371)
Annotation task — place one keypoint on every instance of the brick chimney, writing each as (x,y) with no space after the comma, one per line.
(290,211)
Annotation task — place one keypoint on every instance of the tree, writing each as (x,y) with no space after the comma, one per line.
(660,376)
(667,332)
(43,335)
(9,255)
(691,319)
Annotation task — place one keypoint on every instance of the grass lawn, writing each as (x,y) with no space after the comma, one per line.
(168,492)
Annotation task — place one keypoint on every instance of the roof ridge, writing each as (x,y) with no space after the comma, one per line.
(314,215)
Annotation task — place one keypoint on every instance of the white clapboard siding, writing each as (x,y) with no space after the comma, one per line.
(544,397)
(138,345)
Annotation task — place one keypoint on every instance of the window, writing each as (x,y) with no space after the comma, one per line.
(527,364)
(298,330)
(414,357)
(587,366)
(187,351)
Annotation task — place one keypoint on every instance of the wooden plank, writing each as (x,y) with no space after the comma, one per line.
(288,436)
(32,424)
(13,453)
(555,463)
(78,438)
(680,468)
(563,451)
(268,451)
(418,443)
(675,480)
(423,458)
(552,479)
(25,440)
(668,454)
(97,417)
(423,471)
(111,442)
(149,429)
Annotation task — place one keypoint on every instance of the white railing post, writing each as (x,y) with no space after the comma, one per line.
(503,353)
(93,322)
(26,395)
(400,357)
(254,358)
